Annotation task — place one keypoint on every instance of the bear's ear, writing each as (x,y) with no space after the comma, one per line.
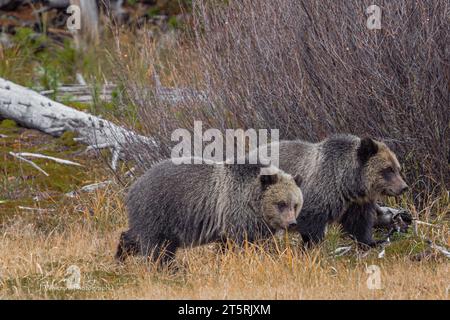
(298,180)
(268,179)
(367,149)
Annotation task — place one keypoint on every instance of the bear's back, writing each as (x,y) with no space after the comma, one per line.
(167,188)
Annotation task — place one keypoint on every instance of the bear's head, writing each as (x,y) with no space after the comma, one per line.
(381,171)
(281,199)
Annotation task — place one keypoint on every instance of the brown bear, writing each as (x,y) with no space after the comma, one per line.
(343,178)
(185,205)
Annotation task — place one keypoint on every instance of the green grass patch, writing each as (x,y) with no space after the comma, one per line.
(8,124)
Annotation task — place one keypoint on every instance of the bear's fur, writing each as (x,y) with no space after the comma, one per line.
(174,206)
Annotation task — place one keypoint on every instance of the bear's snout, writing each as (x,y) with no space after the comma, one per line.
(397,189)
(404,189)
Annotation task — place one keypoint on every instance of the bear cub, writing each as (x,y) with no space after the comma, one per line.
(185,205)
(344,177)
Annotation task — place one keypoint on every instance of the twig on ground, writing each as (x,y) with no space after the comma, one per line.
(130,173)
(36,209)
(41,156)
(342,251)
(430,243)
(441,249)
(90,188)
(385,244)
(425,223)
(34,165)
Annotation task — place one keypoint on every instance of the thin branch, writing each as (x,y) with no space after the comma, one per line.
(425,223)
(90,188)
(342,251)
(29,162)
(41,156)
(115,158)
(36,209)
(441,249)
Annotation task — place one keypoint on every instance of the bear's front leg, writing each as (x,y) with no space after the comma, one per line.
(312,226)
(358,222)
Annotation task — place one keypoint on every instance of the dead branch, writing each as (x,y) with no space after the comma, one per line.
(34,165)
(90,188)
(41,156)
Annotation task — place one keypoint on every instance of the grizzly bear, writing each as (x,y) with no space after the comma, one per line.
(185,205)
(343,178)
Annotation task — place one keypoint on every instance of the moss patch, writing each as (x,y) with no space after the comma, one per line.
(8,124)
(23,185)
(67,139)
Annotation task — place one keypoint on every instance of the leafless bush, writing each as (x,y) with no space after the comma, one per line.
(313,68)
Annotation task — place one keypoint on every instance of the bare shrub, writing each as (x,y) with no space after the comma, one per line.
(313,68)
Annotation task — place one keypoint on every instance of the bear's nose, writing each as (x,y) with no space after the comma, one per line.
(293,224)
(406,187)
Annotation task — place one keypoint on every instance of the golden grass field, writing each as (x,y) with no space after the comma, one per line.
(35,263)
(38,249)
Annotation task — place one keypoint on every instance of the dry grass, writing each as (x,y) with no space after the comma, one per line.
(37,250)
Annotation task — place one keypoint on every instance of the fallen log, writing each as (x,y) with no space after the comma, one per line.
(85,93)
(33,110)
(81,93)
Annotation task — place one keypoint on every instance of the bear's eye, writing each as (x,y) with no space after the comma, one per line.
(388,172)
(281,205)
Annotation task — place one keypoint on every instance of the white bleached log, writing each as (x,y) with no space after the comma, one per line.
(32,110)
(81,92)
(84,93)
